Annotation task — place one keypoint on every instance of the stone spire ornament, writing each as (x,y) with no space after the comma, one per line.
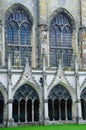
(60,76)
(26,76)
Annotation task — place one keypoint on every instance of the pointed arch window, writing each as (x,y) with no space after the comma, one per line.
(61,40)
(18,35)
(59,104)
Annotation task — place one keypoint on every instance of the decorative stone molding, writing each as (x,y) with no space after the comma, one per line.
(4,92)
(26,77)
(10,101)
(60,78)
(83,85)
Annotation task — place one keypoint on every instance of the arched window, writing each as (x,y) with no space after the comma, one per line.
(61,40)
(26,105)
(18,35)
(59,104)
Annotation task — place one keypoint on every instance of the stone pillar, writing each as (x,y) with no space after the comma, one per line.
(43,11)
(53,110)
(43,31)
(3,45)
(32,111)
(26,111)
(59,110)
(78,101)
(19,112)
(9,118)
(43,42)
(66,110)
(45,100)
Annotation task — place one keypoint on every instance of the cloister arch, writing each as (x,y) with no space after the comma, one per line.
(27,101)
(59,103)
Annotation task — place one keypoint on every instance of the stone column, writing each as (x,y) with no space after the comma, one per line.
(9,103)
(43,29)
(66,110)
(45,100)
(32,111)
(26,111)
(53,110)
(78,101)
(3,45)
(59,110)
(42,11)
(19,112)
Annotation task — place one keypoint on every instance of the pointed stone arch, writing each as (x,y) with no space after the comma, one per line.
(59,10)
(35,87)
(83,85)
(9,10)
(65,85)
(60,98)
(28,98)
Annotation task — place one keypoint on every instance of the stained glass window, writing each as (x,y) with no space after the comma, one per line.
(61,40)
(18,35)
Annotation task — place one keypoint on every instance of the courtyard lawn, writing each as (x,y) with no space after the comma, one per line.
(50,127)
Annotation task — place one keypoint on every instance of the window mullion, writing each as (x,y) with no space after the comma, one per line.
(61,44)
(19,46)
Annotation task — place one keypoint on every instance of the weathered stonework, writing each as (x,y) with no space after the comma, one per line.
(41,76)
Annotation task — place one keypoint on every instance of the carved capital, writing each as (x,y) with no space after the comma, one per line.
(10,101)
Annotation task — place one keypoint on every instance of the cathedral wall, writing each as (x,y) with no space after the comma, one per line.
(6,4)
(16,76)
(3,77)
(42,15)
(71,6)
(83,12)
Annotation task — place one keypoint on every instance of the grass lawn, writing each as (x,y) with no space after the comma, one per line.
(50,127)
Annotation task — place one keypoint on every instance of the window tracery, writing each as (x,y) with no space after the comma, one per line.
(18,35)
(61,40)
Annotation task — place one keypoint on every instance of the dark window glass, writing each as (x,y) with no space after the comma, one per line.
(61,39)
(18,35)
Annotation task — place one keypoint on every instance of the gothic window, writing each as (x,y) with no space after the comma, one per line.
(82,40)
(18,35)
(61,40)
(25,104)
(59,104)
